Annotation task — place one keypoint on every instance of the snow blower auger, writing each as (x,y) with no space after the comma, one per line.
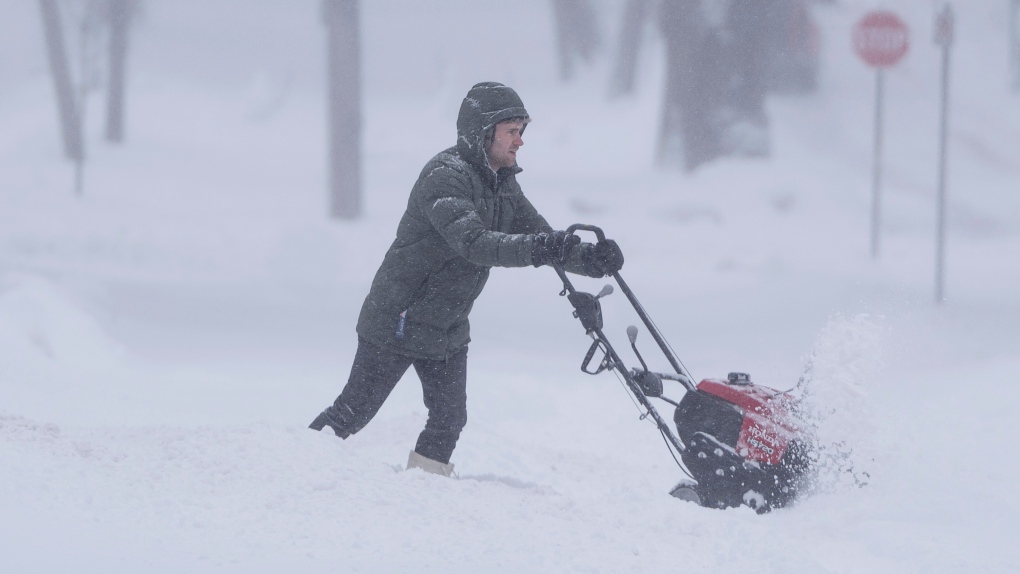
(737,440)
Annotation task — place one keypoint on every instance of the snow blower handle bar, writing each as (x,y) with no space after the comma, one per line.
(588,310)
(583,227)
(687,380)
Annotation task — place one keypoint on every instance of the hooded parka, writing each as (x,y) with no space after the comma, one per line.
(462,218)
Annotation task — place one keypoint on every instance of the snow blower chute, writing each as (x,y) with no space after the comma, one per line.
(737,440)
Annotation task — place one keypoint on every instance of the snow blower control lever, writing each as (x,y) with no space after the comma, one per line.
(735,438)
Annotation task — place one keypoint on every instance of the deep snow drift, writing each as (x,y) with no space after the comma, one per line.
(166,337)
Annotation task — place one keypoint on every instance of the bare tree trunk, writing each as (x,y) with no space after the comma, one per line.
(70,118)
(119,17)
(635,13)
(344,60)
(715,92)
(1014,42)
(791,49)
(682,128)
(578,34)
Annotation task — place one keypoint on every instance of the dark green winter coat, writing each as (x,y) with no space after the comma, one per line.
(462,218)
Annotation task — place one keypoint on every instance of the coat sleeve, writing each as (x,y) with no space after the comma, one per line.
(527,219)
(445,200)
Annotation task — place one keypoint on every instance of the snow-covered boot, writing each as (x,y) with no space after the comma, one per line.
(415,460)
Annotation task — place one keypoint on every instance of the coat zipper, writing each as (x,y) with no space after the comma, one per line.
(497,208)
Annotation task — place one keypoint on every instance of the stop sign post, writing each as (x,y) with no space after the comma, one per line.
(944,38)
(881,39)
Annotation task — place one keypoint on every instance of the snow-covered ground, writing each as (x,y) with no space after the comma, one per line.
(166,336)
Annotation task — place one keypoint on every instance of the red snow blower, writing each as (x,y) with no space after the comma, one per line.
(738,441)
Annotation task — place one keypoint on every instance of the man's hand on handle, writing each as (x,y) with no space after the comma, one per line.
(606,257)
(553,247)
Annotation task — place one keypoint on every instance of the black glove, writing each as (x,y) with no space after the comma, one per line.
(553,247)
(606,257)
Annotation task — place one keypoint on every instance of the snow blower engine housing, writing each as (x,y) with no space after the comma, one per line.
(737,440)
(741,445)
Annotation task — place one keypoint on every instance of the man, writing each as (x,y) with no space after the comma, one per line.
(466,214)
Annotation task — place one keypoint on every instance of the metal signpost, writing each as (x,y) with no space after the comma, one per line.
(943,38)
(1014,42)
(881,40)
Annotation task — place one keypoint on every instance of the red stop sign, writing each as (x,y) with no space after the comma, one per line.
(880,38)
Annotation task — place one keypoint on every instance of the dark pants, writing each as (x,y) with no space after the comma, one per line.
(374,374)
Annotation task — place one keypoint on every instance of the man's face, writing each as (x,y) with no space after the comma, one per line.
(505,143)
